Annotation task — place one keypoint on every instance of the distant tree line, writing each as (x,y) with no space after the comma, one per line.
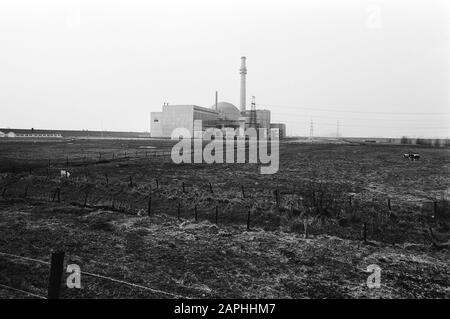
(436,142)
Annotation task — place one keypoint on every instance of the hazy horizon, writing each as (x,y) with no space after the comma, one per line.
(380,68)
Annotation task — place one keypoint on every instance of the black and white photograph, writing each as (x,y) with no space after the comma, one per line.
(224,158)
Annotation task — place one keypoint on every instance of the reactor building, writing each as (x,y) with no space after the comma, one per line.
(221,115)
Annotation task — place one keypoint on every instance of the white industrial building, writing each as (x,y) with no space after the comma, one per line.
(176,116)
(220,115)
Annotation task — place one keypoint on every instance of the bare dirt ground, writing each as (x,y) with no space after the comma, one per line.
(101,221)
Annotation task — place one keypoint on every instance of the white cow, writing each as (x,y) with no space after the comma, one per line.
(65,174)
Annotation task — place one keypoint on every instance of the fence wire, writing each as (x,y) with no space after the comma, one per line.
(22,291)
(123,282)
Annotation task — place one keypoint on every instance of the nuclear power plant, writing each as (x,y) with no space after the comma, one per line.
(221,115)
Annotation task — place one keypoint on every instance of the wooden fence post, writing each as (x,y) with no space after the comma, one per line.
(26,191)
(435,209)
(277,197)
(211,189)
(157,184)
(305,228)
(149,209)
(321,198)
(365,232)
(86,198)
(389,204)
(242,189)
(183,186)
(195,213)
(217,213)
(55,278)
(131,181)
(107,179)
(350,200)
(248,220)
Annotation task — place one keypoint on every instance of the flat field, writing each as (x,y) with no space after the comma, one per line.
(224,230)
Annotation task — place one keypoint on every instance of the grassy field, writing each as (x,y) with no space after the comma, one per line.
(101,220)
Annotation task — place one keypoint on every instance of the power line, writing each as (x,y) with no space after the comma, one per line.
(382,126)
(366,112)
(361,118)
(379,125)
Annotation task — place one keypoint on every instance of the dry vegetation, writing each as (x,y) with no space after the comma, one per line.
(333,190)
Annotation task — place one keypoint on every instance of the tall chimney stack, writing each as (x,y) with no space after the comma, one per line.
(243,72)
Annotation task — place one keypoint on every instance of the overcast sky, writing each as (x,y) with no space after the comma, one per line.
(380,68)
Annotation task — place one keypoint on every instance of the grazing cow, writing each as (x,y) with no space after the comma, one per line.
(411,156)
(65,174)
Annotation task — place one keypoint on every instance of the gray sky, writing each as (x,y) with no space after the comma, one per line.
(108,64)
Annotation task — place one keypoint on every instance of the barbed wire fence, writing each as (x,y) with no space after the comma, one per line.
(70,181)
(55,278)
(83,188)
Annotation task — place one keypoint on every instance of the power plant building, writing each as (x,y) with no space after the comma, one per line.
(176,116)
(221,115)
